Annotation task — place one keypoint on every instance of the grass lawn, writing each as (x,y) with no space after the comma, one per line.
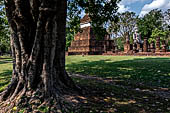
(153,71)
(122,84)
(5,71)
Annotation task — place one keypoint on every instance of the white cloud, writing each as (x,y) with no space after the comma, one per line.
(122,8)
(123,5)
(160,4)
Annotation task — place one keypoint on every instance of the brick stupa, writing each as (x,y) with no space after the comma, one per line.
(85,42)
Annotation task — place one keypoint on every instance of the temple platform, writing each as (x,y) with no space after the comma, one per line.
(138,54)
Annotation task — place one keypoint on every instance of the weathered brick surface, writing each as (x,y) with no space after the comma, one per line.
(145,45)
(138,54)
(85,42)
(158,44)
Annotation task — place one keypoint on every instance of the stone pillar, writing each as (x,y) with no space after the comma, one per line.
(105,48)
(138,46)
(126,48)
(158,44)
(113,48)
(134,48)
(152,47)
(127,45)
(116,49)
(127,39)
(163,46)
(145,45)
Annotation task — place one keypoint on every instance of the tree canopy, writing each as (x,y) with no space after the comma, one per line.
(149,22)
(101,12)
(4,30)
(125,25)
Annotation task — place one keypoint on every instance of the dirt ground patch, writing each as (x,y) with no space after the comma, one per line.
(109,96)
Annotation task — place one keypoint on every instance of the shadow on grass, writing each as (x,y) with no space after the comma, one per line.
(101,97)
(135,85)
(5,60)
(5,78)
(149,71)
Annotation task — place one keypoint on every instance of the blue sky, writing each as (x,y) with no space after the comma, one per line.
(142,7)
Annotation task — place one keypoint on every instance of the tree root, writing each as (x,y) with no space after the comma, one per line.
(37,102)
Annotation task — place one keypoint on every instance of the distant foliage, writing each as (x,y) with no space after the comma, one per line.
(167,19)
(155,24)
(149,22)
(159,33)
(69,39)
(4,31)
(125,25)
(101,13)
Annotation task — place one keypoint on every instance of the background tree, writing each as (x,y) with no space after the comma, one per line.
(167,19)
(100,12)
(4,31)
(162,28)
(158,33)
(149,22)
(125,25)
(38,29)
(74,14)
(166,25)
(69,38)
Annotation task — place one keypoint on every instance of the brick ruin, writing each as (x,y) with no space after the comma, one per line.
(85,42)
(143,47)
(157,48)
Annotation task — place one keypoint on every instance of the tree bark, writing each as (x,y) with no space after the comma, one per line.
(38,49)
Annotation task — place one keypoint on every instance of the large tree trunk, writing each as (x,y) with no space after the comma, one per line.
(38,47)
